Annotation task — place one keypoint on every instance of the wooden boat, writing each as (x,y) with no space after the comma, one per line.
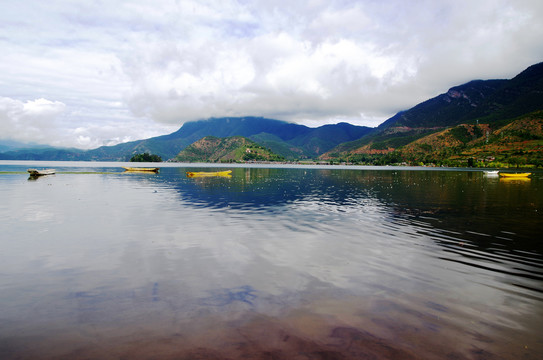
(210,173)
(141,169)
(515,175)
(36,172)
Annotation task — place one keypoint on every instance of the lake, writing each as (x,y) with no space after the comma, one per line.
(284,262)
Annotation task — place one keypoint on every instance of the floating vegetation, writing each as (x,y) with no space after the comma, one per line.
(63,172)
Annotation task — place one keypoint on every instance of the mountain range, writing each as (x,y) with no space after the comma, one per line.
(486,105)
(290,140)
(475,116)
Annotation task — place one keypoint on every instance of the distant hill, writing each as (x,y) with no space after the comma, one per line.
(483,100)
(290,140)
(10,145)
(495,103)
(286,139)
(40,152)
(518,143)
(230,149)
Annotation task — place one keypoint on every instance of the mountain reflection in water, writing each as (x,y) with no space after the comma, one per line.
(308,263)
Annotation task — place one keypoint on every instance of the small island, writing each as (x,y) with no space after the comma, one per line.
(145,157)
(232,149)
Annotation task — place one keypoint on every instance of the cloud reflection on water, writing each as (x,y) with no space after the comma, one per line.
(130,249)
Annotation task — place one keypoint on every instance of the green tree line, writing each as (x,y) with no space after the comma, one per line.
(145,157)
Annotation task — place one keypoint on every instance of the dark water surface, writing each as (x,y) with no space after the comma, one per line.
(272,263)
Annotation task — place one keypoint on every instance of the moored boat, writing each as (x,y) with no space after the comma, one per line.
(141,169)
(491,172)
(36,172)
(515,175)
(208,173)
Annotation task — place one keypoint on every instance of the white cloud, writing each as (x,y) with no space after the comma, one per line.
(25,121)
(134,69)
(49,122)
(43,108)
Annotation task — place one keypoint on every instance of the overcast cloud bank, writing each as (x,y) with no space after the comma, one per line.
(89,73)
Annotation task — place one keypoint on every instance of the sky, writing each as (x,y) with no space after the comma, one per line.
(90,73)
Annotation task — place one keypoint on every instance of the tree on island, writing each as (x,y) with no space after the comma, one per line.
(145,157)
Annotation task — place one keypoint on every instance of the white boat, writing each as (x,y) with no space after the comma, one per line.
(491,172)
(36,172)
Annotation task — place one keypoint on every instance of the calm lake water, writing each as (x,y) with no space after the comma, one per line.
(270,263)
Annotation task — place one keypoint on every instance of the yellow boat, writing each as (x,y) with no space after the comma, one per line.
(207,174)
(515,175)
(140,169)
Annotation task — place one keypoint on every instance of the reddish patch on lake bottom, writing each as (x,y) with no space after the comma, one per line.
(328,330)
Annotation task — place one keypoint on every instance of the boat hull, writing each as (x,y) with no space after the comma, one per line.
(141,169)
(36,172)
(515,175)
(226,173)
